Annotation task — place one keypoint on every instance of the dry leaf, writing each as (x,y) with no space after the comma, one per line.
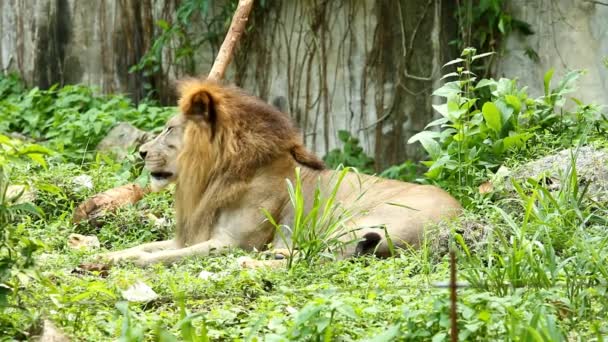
(108,200)
(101,269)
(247,262)
(486,187)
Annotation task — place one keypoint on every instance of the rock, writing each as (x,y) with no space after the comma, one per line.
(157,222)
(206,275)
(77,241)
(474,232)
(121,138)
(139,292)
(28,194)
(591,168)
(82,182)
(50,333)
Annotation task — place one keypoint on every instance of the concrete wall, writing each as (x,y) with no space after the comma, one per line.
(366,66)
(568,35)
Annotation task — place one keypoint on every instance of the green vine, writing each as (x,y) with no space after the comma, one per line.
(176,43)
(483,24)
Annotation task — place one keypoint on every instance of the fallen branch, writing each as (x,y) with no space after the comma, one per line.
(108,200)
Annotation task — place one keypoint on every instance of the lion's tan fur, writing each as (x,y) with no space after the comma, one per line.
(235,155)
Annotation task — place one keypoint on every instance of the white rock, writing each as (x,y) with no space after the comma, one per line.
(139,292)
(77,241)
(157,222)
(83,182)
(50,333)
(122,138)
(27,193)
(206,275)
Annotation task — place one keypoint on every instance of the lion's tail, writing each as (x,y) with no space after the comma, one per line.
(306,158)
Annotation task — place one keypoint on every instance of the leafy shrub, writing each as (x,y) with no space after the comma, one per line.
(10,85)
(406,171)
(483,122)
(351,155)
(72,119)
(16,247)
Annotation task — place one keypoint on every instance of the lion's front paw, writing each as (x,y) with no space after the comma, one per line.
(123,256)
(146,259)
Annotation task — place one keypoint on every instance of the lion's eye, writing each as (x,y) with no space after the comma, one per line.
(171,146)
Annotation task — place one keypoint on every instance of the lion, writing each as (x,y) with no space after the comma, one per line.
(230,153)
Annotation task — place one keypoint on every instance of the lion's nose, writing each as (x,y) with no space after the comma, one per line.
(143,154)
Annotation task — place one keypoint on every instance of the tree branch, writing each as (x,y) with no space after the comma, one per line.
(237,27)
(131,193)
(598,2)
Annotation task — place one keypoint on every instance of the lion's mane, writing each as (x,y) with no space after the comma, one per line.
(228,137)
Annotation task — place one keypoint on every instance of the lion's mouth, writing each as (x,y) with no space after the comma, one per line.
(161,175)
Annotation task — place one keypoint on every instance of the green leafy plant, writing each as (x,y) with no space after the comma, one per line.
(406,171)
(178,42)
(351,155)
(16,247)
(319,228)
(317,319)
(479,125)
(132,330)
(10,85)
(547,110)
(484,122)
(72,119)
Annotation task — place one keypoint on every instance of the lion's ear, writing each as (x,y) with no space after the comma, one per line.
(199,106)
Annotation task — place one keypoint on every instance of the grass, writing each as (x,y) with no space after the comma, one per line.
(537,272)
(528,281)
(318,232)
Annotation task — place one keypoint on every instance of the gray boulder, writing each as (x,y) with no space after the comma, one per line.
(591,168)
(121,138)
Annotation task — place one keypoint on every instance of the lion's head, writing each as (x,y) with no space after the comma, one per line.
(160,154)
(228,130)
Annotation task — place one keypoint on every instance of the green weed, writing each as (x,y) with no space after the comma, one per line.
(319,228)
